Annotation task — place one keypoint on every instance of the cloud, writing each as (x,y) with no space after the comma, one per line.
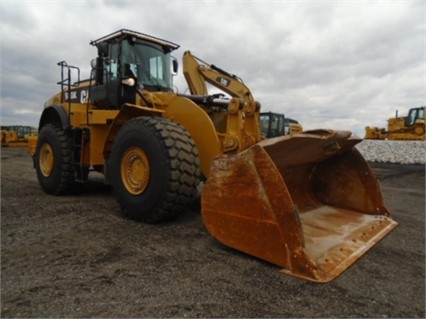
(339,65)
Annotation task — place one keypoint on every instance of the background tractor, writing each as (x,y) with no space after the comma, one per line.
(16,135)
(410,127)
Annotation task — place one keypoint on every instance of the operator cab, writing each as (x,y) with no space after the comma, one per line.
(276,124)
(414,114)
(127,62)
(272,124)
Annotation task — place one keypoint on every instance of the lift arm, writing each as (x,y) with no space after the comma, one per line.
(197,72)
(242,111)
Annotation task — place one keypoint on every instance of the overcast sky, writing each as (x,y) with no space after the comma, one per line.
(328,64)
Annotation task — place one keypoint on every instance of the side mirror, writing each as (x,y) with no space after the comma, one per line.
(175,66)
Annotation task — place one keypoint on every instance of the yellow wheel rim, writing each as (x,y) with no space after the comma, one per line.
(46,160)
(135,170)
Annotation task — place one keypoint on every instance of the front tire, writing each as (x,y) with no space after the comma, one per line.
(153,169)
(53,160)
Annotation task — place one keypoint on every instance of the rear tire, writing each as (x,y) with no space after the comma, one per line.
(153,169)
(53,160)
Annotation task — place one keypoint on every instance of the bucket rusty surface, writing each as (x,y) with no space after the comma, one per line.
(309,203)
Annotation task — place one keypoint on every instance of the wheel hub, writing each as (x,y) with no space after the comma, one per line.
(135,170)
(46,160)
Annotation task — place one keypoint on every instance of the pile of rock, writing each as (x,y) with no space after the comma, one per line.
(385,151)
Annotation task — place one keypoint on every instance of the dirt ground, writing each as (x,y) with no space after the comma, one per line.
(76,256)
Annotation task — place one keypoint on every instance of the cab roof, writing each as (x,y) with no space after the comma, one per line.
(124,32)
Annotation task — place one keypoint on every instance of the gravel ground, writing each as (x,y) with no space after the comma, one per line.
(77,257)
(402,152)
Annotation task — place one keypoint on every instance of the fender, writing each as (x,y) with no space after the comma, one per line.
(197,122)
(54,114)
(183,111)
(126,113)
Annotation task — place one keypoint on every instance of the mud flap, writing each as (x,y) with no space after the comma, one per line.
(309,203)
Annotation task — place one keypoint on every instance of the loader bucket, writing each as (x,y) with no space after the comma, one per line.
(309,203)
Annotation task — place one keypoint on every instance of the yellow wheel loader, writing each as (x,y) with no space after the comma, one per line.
(308,203)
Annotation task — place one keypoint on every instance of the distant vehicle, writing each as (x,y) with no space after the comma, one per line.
(16,135)
(410,127)
(276,124)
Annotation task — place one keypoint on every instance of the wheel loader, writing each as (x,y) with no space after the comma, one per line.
(410,127)
(309,203)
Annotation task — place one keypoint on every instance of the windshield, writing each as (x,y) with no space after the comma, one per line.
(149,64)
(264,123)
(271,124)
(413,115)
(421,113)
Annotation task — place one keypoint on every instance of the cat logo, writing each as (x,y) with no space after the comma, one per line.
(83,96)
(223,81)
(77,96)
